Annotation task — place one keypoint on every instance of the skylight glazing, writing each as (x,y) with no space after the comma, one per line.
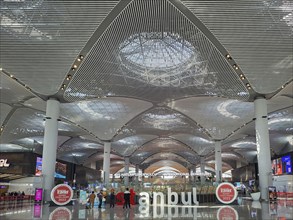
(162,59)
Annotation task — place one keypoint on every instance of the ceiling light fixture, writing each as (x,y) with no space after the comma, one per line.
(248,85)
(242,76)
(235,66)
(63,86)
(228,57)
(68,77)
(80,58)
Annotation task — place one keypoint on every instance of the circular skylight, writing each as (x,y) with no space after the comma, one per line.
(161,50)
(163,59)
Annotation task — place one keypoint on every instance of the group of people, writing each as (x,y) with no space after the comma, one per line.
(112,198)
(18,195)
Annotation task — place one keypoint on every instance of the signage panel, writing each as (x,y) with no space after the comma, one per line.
(61,194)
(226,193)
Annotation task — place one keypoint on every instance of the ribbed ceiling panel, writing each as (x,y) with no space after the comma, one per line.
(128,145)
(41,39)
(258,35)
(24,123)
(103,117)
(4,111)
(162,121)
(200,145)
(27,122)
(220,117)
(152,51)
(165,145)
(10,91)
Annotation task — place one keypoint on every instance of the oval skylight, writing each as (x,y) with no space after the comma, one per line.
(160,50)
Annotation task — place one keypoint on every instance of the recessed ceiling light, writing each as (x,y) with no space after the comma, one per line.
(68,77)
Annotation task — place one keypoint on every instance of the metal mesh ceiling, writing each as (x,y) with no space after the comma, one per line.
(111,113)
(162,121)
(227,115)
(11,92)
(48,33)
(77,144)
(258,35)
(145,53)
(4,111)
(29,123)
(128,145)
(200,145)
(164,145)
(155,50)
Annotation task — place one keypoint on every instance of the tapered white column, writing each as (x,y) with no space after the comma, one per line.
(263,146)
(136,174)
(218,161)
(50,146)
(106,163)
(126,169)
(202,170)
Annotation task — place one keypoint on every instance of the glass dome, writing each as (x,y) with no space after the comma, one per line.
(162,59)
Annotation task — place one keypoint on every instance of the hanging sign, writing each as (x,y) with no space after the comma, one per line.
(61,194)
(226,193)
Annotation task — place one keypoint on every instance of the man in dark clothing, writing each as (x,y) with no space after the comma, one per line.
(126,199)
(100,196)
(112,199)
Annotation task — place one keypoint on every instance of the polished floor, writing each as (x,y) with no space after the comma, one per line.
(245,209)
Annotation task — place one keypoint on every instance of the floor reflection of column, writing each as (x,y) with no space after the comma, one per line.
(265,212)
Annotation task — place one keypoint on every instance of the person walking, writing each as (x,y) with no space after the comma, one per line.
(112,198)
(100,196)
(126,199)
(92,199)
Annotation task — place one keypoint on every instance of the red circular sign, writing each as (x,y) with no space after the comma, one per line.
(227,212)
(226,193)
(61,194)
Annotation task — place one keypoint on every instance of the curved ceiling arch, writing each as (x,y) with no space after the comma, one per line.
(165,145)
(169,163)
(165,155)
(115,75)
(102,61)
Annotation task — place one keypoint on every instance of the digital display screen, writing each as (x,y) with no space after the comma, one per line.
(287,164)
(60,169)
(282,165)
(38,194)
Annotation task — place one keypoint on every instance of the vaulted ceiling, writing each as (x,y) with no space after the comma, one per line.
(161,79)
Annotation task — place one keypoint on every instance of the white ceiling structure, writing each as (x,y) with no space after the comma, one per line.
(161,79)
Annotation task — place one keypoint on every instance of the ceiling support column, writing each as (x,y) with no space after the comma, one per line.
(263,146)
(50,146)
(106,163)
(136,174)
(218,161)
(126,172)
(202,170)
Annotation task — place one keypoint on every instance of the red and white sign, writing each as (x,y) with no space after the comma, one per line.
(227,212)
(226,193)
(61,194)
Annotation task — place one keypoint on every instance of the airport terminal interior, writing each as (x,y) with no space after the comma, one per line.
(170,101)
